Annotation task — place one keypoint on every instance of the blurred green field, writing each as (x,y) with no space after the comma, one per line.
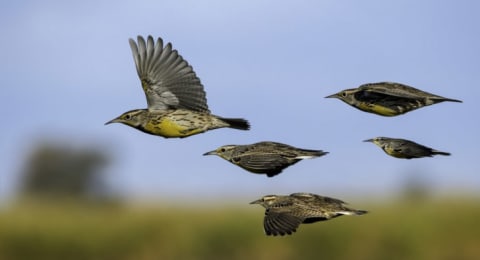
(438,229)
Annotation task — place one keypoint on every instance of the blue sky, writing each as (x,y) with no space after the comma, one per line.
(67,68)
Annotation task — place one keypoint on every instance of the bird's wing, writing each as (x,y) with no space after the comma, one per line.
(262,162)
(313,208)
(411,148)
(278,222)
(401,145)
(394,89)
(273,149)
(167,79)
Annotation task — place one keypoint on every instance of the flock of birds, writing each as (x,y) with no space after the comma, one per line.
(177,108)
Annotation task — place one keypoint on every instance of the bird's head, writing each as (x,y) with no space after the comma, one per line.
(346,96)
(134,118)
(266,201)
(226,151)
(380,141)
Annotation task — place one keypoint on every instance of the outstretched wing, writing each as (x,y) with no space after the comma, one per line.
(167,79)
(281,223)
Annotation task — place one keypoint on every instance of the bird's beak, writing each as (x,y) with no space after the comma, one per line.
(115,120)
(256,201)
(368,140)
(211,153)
(332,96)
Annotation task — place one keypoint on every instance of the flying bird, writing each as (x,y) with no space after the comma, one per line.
(401,148)
(268,158)
(176,100)
(388,98)
(285,213)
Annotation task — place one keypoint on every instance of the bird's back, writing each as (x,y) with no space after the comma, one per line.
(409,149)
(284,150)
(314,207)
(404,91)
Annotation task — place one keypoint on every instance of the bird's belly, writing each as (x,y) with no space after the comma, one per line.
(378,109)
(177,124)
(397,154)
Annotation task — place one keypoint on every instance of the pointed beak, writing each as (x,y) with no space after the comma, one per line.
(332,96)
(256,201)
(211,153)
(115,120)
(368,140)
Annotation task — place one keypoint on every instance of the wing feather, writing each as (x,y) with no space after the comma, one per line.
(280,223)
(167,79)
(262,162)
(396,89)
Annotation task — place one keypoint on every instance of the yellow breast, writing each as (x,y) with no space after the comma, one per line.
(377,109)
(177,123)
(391,151)
(167,127)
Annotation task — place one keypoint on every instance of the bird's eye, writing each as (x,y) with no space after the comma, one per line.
(127,116)
(222,150)
(344,94)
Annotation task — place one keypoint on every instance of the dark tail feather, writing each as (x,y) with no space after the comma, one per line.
(440,152)
(442,99)
(360,212)
(453,100)
(317,153)
(237,123)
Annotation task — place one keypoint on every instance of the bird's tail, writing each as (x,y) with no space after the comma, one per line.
(442,99)
(440,152)
(236,123)
(306,153)
(453,100)
(360,212)
(353,212)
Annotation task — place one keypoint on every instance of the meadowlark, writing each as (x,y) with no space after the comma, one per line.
(283,214)
(388,98)
(401,148)
(176,100)
(268,158)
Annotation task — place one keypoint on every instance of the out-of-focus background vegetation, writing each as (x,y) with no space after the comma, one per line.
(64,210)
